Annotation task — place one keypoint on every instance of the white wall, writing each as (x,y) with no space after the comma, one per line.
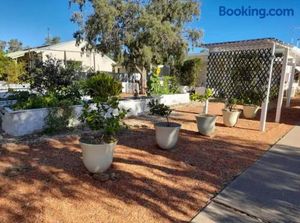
(73,52)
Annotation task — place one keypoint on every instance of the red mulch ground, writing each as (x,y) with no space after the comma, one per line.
(47,182)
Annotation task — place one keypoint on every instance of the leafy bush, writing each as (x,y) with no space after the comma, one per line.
(36,101)
(106,116)
(10,70)
(101,87)
(159,109)
(198,97)
(189,72)
(162,85)
(252,97)
(52,77)
(171,83)
(59,117)
(20,96)
(231,103)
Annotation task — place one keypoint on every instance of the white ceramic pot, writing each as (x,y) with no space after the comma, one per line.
(250,111)
(97,158)
(167,136)
(230,118)
(206,123)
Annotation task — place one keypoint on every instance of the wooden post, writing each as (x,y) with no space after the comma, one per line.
(264,106)
(291,81)
(281,88)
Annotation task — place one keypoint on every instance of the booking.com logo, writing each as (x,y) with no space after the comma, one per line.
(258,12)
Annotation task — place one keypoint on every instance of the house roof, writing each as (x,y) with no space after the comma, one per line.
(54,47)
(17,54)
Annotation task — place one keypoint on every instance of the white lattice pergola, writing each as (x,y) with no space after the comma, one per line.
(290,61)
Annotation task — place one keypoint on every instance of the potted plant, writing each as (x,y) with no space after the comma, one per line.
(166,132)
(251,104)
(104,117)
(205,122)
(230,113)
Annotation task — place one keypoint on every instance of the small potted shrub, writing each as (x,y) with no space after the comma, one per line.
(205,122)
(104,117)
(166,132)
(230,113)
(251,104)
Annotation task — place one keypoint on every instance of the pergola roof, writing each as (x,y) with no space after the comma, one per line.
(262,43)
(246,44)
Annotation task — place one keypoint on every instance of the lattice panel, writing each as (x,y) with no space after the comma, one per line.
(234,73)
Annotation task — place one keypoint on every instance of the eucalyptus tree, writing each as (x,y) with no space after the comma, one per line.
(138,33)
(52,40)
(14,45)
(2,45)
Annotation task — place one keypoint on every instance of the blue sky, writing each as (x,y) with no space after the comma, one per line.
(28,20)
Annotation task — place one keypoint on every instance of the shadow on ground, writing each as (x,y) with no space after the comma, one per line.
(47,181)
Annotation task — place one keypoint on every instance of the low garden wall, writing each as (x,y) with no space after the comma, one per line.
(23,122)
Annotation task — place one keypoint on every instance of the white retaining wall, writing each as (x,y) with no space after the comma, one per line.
(4,87)
(23,122)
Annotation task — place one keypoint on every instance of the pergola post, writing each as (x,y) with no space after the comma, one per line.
(291,81)
(281,88)
(264,106)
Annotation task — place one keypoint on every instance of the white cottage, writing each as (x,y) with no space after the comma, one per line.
(69,51)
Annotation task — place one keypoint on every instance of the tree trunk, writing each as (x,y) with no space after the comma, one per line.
(143,83)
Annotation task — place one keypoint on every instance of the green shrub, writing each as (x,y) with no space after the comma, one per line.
(51,77)
(59,117)
(198,97)
(160,109)
(252,97)
(189,72)
(231,104)
(37,101)
(106,117)
(169,84)
(101,87)
(11,71)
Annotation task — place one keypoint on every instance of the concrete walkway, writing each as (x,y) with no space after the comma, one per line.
(268,191)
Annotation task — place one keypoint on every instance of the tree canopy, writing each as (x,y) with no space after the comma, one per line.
(139,33)
(52,40)
(2,45)
(11,46)
(14,45)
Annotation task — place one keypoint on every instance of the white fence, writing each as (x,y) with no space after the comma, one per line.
(4,88)
(129,88)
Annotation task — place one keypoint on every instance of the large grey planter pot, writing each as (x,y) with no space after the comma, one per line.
(250,111)
(97,158)
(230,118)
(206,123)
(167,136)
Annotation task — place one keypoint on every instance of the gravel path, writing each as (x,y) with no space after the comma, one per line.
(47,182)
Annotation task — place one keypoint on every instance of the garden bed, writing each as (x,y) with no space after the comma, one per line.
(45,181)
(23,122)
